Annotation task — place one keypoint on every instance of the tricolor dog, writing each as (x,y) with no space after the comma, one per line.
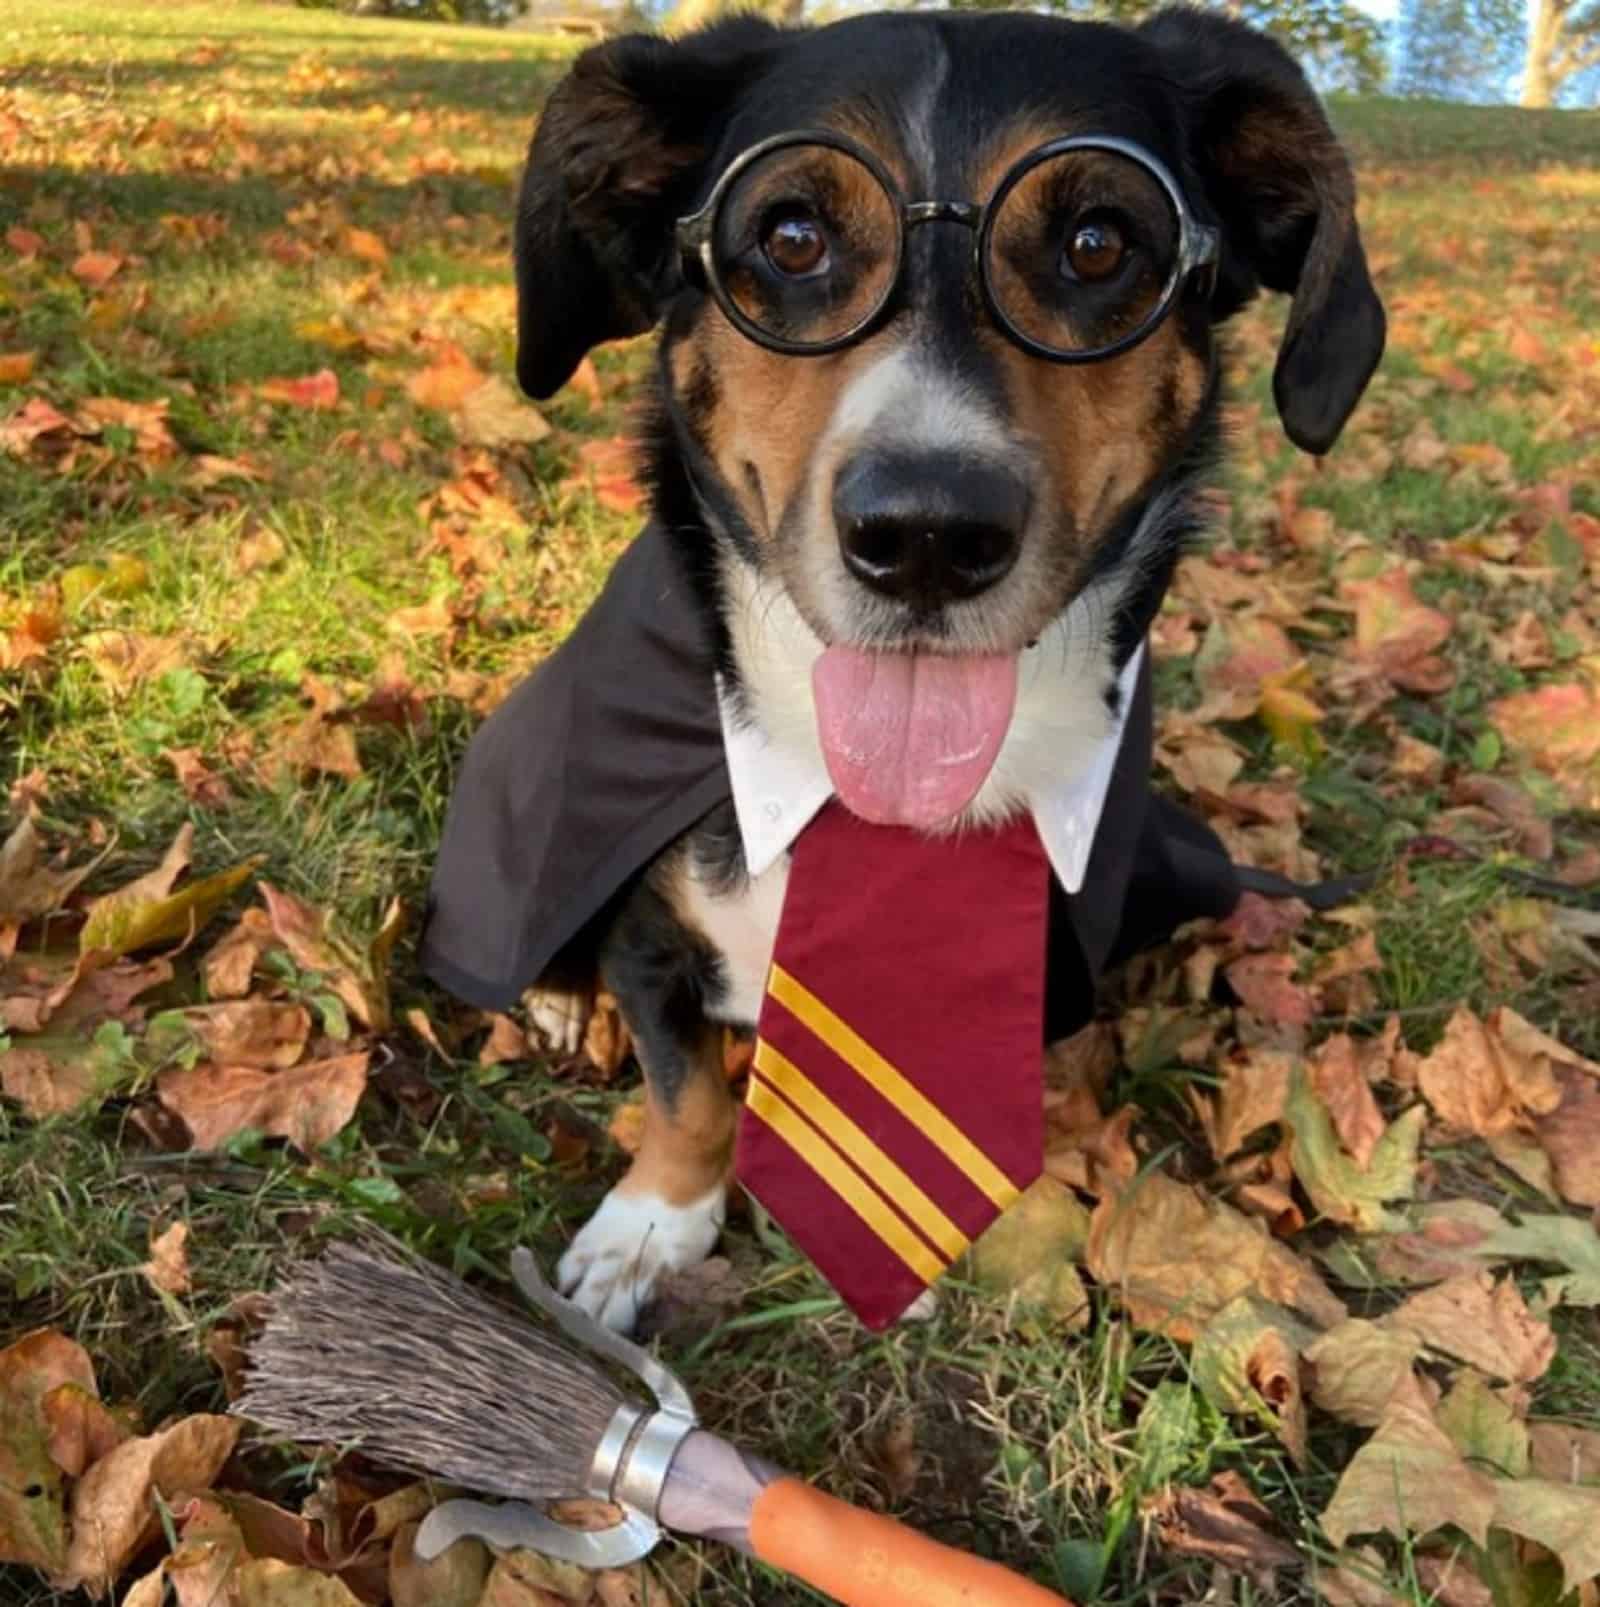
(936,394)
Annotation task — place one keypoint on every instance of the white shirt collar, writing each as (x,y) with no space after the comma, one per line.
(776,791)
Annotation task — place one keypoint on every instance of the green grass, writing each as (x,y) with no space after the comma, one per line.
(225,151)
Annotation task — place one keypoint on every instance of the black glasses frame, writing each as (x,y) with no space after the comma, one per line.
(1198,243)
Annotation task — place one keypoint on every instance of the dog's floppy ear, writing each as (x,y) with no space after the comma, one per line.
(1278,178)
(616,157)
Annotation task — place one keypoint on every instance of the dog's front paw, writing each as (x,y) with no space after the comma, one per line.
(625,1248)
(559,1019)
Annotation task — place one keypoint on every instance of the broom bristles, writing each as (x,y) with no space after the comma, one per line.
(424,1373)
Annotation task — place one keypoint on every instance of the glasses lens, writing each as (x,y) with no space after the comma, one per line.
(805,244)
(1081,251)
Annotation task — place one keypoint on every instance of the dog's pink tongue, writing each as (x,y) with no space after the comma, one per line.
(910,737)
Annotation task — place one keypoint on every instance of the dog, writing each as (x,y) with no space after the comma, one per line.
(938,374)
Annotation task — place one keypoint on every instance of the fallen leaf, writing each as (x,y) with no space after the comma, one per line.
(264,1033)
(1340,1188)
(16,368)
(492,414)
(1484,1428)
(1254,1094)
(317,393)
(366,247)
(1564,1453)
(1028,1253)
(1570,1136)
(1558,728)
(33,1527)
(506,1041)
(201,785)
(139,916)
(1338,1081)
(307,1104)
(29,887)
(168,1266)
(1356,1367)
(113,1504)
(230,963)
(607,1043)
(1266,986)
(1409,1478)
(1175,1258)
(1398,633)
(1563,1518)
(1357,1581)
(455,1578)
(1479,1083)
(1238,657)
(81,1429)
(1480,1321)
(361,984)
(1224,1524)
(96,268)
(1247,1359)
(526,1579)
(266,1582)
(894,1454)
(445,384)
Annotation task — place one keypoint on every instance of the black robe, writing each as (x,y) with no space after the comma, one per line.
(612,748)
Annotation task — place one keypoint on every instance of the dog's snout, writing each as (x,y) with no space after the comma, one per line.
(929,531)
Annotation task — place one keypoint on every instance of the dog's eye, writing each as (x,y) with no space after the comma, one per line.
(1094,250)
(795,245)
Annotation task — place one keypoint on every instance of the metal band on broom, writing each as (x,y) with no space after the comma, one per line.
(510,1409)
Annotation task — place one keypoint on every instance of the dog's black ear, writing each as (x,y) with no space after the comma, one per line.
(1278,178)
(617,155)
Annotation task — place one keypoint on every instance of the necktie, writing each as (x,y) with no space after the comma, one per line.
(895,1104)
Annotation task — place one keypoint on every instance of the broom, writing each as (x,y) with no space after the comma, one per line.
(374,1346)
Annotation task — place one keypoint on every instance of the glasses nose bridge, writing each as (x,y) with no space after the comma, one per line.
(965,213)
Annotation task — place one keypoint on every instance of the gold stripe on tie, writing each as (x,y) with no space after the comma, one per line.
(859,1195)
(889,1179)
(909,1100)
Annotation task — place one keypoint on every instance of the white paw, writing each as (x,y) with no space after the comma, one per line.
(623,1250)
(558,1018)
(924,1308)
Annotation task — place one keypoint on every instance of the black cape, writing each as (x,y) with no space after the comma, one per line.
(612,748)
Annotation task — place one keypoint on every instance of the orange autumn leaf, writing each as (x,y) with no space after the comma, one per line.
(16,368)
(96,268)
(365,246)
(1397,633)
(1558,728)
(317,392)
(447,383)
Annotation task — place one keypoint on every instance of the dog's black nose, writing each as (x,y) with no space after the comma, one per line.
(928,531)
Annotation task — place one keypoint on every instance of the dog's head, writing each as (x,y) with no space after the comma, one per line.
(1009,389)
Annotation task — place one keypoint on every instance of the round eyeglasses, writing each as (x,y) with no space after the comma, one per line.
(1080,252)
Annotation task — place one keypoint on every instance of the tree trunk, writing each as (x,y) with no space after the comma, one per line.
(1539,83)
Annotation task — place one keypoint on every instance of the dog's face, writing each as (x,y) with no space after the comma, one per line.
(934,489)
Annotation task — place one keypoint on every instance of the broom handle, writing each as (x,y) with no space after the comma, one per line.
(867,1560)
(861,1559)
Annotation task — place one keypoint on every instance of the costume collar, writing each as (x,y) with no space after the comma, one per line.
(776,791)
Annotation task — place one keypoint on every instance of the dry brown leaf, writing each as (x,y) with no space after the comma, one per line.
(1265,983)
(1409,1477)
(1397,633)
(1247,1359)
(1563,1518)
(1338,1081)
(230,962)
(201,784)
(125,659)
(1175,1258)
(226,1343)
(526,1579)
(1028,1253)
(360,981)
(1357,1366)
(506,1041)
(1340,1189)
(1262,1185)
(264,1033)
(1485,1425)
(29,887)
(307,1104)
(81,1429)
(1482,1321)
(1255,1090)
(33,1527)
(1558,727)
(1564,1453)
(1478,1083)
(113,1506)
(492,414)
(455,1578)
(1570,1136)
(1450,1582)
(168,1266)
(266,1582)
(1357,1581)
(45,1086)
(894,1454)
(1225,1524)
(607,1043)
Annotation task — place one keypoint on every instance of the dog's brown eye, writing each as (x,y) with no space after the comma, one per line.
(1095,250)
(795,245)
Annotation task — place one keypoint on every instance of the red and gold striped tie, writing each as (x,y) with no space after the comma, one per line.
(895,1104)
